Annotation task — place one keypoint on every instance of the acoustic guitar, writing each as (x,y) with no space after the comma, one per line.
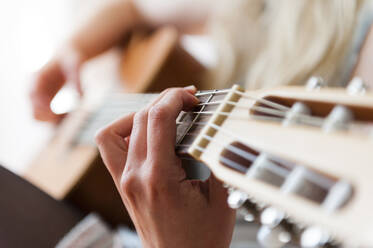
(69,168)
(296,160)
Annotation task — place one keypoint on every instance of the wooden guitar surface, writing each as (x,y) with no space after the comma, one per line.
(73,171)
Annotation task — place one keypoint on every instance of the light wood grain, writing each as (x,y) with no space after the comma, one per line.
(348,157)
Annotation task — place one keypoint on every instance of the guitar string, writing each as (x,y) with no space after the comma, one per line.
(212,92)
(247,95)
(325,183)
(259,109)
(261,100)
(302,119)
(279,111)
(312,120)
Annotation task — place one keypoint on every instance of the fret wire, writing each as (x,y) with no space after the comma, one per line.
(196,117)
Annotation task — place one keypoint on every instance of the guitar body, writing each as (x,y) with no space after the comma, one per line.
(70,170)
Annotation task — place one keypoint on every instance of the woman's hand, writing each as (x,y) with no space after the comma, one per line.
(50,79)
(167,209)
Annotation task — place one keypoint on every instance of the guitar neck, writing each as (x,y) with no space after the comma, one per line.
(116,105)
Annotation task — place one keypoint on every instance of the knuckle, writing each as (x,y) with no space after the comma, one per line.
(102,135)
(166,91)
(153,178)
(152,181)
(153,187)
(140,117)
(176,91)
(158,112)
(128,185)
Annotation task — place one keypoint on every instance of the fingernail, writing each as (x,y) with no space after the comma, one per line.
(191,88)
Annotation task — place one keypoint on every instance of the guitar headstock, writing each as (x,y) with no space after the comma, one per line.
(296,160)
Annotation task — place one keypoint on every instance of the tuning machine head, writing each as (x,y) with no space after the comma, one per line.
(314,237)
(236,198)
(315,83)
(275,231)
(357,86)
(240,201)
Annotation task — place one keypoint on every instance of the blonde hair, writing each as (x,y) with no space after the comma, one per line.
(275,42)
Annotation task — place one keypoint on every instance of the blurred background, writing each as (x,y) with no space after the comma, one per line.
(31,32)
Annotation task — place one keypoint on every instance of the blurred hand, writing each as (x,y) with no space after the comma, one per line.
(167,209)
(50,79)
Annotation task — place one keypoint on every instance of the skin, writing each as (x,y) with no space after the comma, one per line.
(105,30)
(167,209)
(101,32)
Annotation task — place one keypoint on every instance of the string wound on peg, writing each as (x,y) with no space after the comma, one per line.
(357,86)
(315,83)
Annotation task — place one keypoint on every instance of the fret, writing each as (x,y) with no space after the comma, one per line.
(190,122)
(217,114)
(193,117)
(119,104)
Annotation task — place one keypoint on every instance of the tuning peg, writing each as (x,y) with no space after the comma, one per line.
(357,86)
(313,237)
(250,210)
(271,217)
(294,115)
(246,208)
(236,198)
(315,83)
(274,231)
(338,119)
(273,237)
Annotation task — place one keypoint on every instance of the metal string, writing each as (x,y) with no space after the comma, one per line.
(270,166)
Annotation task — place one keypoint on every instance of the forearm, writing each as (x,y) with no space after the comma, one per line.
(106,28)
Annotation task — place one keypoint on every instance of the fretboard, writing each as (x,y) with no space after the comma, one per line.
(189,124)
(118,104)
